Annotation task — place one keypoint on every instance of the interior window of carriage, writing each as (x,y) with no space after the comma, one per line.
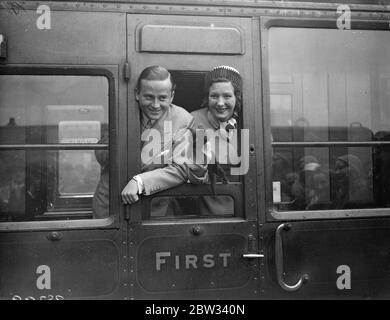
(53,146)
(201,201)
(330,118)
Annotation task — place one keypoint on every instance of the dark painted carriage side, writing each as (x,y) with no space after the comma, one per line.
(259,253)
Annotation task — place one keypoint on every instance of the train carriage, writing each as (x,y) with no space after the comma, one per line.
(316,98)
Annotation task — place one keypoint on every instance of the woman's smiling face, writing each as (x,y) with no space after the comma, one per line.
(222,100)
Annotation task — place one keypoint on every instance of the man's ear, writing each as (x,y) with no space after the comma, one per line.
(136,93)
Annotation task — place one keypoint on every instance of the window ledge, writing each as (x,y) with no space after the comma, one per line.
(56,225)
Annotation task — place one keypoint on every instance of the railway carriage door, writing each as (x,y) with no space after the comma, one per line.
(61,95)
(326,94)
(187,252)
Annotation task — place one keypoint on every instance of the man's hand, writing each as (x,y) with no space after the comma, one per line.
(130,192)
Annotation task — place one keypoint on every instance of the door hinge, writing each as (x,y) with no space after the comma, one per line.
(126,71)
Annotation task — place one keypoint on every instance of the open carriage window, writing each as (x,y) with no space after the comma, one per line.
(50,129)
(216,199)
(330,118)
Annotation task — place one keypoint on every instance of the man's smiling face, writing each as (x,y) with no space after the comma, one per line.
(154,97)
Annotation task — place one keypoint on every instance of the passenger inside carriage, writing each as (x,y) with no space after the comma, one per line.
(318,196)
(350,187)
(297,187)
(315,187)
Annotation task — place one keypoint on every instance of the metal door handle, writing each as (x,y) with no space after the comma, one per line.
(279,261)
(252,255)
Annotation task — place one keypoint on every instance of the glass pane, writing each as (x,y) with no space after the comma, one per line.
(192,206)
(329,86)
(78,170)
(52,184)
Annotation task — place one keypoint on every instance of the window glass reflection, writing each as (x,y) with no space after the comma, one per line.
(50,182)
(330,120)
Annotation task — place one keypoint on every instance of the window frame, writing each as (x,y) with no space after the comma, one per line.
(110,72)
(191,190)
(240,188)
(362,22)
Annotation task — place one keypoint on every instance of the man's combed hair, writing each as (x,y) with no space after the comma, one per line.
(155,73)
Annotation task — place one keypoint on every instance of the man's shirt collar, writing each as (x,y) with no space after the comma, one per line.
(147,123)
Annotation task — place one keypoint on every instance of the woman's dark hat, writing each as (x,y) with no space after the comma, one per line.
(223,72)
